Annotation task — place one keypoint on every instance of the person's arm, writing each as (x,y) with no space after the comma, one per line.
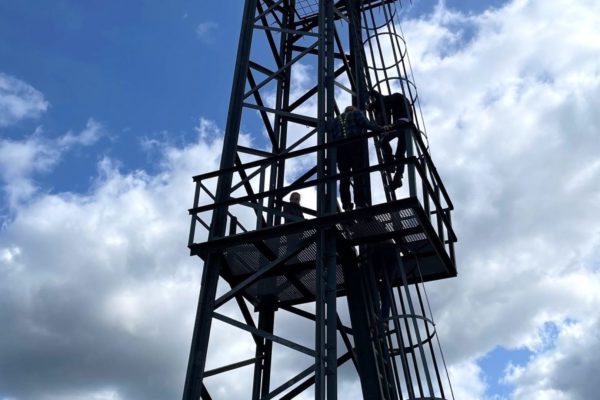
(299,213)
(292,213)
(365,123)
(336,129)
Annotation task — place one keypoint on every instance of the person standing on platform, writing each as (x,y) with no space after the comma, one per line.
(293,211)
(352,156)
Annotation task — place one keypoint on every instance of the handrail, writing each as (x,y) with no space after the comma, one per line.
(417,135)
(285,155)
(273,192)
(377,167)
(427,173)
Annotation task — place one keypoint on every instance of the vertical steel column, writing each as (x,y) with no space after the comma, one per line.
(210,273)
(330,208)
(262,368)
(282,99)
(357,66)
(377,342)
(326,324)
(410,152)
(357,52)
(357,306)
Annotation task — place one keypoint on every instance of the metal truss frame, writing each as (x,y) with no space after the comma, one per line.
(265,89)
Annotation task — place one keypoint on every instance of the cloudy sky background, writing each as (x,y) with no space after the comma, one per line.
(100,134)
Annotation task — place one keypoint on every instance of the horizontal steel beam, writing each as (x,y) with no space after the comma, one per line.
(255,276)
(305,225)
(299,118)
(231,366)
(266,335)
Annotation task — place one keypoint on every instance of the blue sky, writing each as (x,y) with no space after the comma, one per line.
(107,109)
(141,69)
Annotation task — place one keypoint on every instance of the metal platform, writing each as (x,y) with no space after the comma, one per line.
(307,9)
(236,216)
(292,281)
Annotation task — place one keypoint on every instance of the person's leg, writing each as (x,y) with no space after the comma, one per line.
(401,149)
(343,162)
(386,149)
(384,296)
(360,180)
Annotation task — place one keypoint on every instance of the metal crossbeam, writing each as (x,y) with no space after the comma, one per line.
(266,335)
(231,367)
(254,277)
(274,265)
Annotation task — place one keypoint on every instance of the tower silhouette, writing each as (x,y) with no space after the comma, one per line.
(299,63)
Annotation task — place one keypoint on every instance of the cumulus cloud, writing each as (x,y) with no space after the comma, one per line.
(97,292)
(92,132)
(205,31)
(19,100)
(512,127)
(98,295)
(468,382)
(568,371)
(21,160)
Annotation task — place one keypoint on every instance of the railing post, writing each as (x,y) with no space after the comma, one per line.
(409,132)
(193,222)
(425,192)
(440,214)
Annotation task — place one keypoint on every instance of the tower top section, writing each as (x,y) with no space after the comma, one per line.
(307,9)
(300,64)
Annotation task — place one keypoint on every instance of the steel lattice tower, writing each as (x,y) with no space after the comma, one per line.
(298,63)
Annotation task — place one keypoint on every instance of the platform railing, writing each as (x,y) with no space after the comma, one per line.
(247,212)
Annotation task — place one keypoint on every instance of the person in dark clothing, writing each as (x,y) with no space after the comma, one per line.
(383,258)
(393,109)
(389,109)
(293,211)
(351,156)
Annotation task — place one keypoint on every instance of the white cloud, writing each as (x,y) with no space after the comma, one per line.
(568,371)
(205,30)
(92,132)
(21,160)
(512,125)
(99,286)
(467,381)
(19,100)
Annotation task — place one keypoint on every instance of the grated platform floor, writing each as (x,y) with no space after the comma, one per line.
(293,282)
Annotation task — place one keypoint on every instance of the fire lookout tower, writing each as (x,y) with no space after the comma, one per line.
(299,64)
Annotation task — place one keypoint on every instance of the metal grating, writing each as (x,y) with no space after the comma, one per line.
(295,281)
(380,224)
(307,8)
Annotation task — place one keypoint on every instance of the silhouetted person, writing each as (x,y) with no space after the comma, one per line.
(393,109)
(293,211)
(383,257)
(352,156)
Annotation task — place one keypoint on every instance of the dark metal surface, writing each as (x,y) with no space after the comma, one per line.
(274,266)
(400,219)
